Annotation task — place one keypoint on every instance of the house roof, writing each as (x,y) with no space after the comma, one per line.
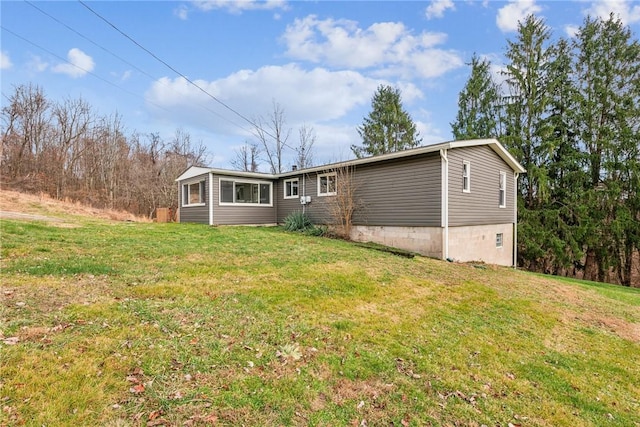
(494,144)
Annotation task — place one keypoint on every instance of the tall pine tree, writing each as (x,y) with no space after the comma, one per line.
(528,137)
(607,72)
(388,127)
(478,104)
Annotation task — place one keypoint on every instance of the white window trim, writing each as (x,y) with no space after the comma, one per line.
(502,190)
(500,241)
(332,193)
(189,183)
(285,188)
(468,176)
(244,181)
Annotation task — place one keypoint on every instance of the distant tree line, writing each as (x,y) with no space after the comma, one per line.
(67,151)
(569,110)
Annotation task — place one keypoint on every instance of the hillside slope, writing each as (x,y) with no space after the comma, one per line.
(119,323)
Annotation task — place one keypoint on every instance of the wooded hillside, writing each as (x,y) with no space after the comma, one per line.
(67,151)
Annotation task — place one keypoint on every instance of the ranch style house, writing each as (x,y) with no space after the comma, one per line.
(454,200)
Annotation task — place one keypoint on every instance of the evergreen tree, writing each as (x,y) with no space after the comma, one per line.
(478,104)
(527,103)
(607,72)
(388,128)
(566,173)
(529,137)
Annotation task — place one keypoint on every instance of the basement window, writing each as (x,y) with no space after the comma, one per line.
(193,194)
(499,240)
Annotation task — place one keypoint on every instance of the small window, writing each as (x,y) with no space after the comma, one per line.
(466,177)
(327,184)
(193,193)
(502,193)
(499,238)
(244,192)
(291,188)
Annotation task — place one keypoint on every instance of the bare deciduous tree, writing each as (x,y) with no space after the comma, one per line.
(304,150)
(345,203)
(246,157)
(27,118)
(273,136)
(73,118)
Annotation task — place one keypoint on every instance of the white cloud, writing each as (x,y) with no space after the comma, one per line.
(36,64)
(388,48)
(122,77)
(182,12)
(571,30)
(514,12)
(306,95)
(628,12)
(238,6)
(5,61)
(79,64)
(437,8)
(330,101)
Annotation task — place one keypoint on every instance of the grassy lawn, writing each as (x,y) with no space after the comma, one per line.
(118,324)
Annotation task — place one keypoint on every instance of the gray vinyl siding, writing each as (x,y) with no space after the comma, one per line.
(286,206)
(481,205)
(402,192)
(317,210)
(198,214)
(239,214)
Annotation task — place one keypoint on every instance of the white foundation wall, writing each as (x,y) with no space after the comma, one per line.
(478,243)
(426,241)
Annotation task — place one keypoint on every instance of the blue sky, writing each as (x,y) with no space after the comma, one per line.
(321,61)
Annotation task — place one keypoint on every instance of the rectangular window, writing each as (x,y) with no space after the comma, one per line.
(245,192)
(291,188)
(499,240)
(327,184)
(466,176)
(193,193)
(502,194)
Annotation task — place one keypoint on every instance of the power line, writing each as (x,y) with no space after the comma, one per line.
(88,39)
(114,55)
(79,67)
(174,70)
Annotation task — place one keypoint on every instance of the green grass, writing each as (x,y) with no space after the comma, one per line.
(123,324)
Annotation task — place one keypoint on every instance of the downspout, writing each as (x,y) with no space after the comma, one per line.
(180,196)
(304,192)
(210,198)
(445,203)
(515,219)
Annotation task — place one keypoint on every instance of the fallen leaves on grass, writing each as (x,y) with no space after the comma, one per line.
(289,351)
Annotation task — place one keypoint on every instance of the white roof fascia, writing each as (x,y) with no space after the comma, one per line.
(191,172)
(256,175)
(197,170)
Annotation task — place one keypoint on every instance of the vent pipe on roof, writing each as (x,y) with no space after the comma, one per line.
(294,167)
